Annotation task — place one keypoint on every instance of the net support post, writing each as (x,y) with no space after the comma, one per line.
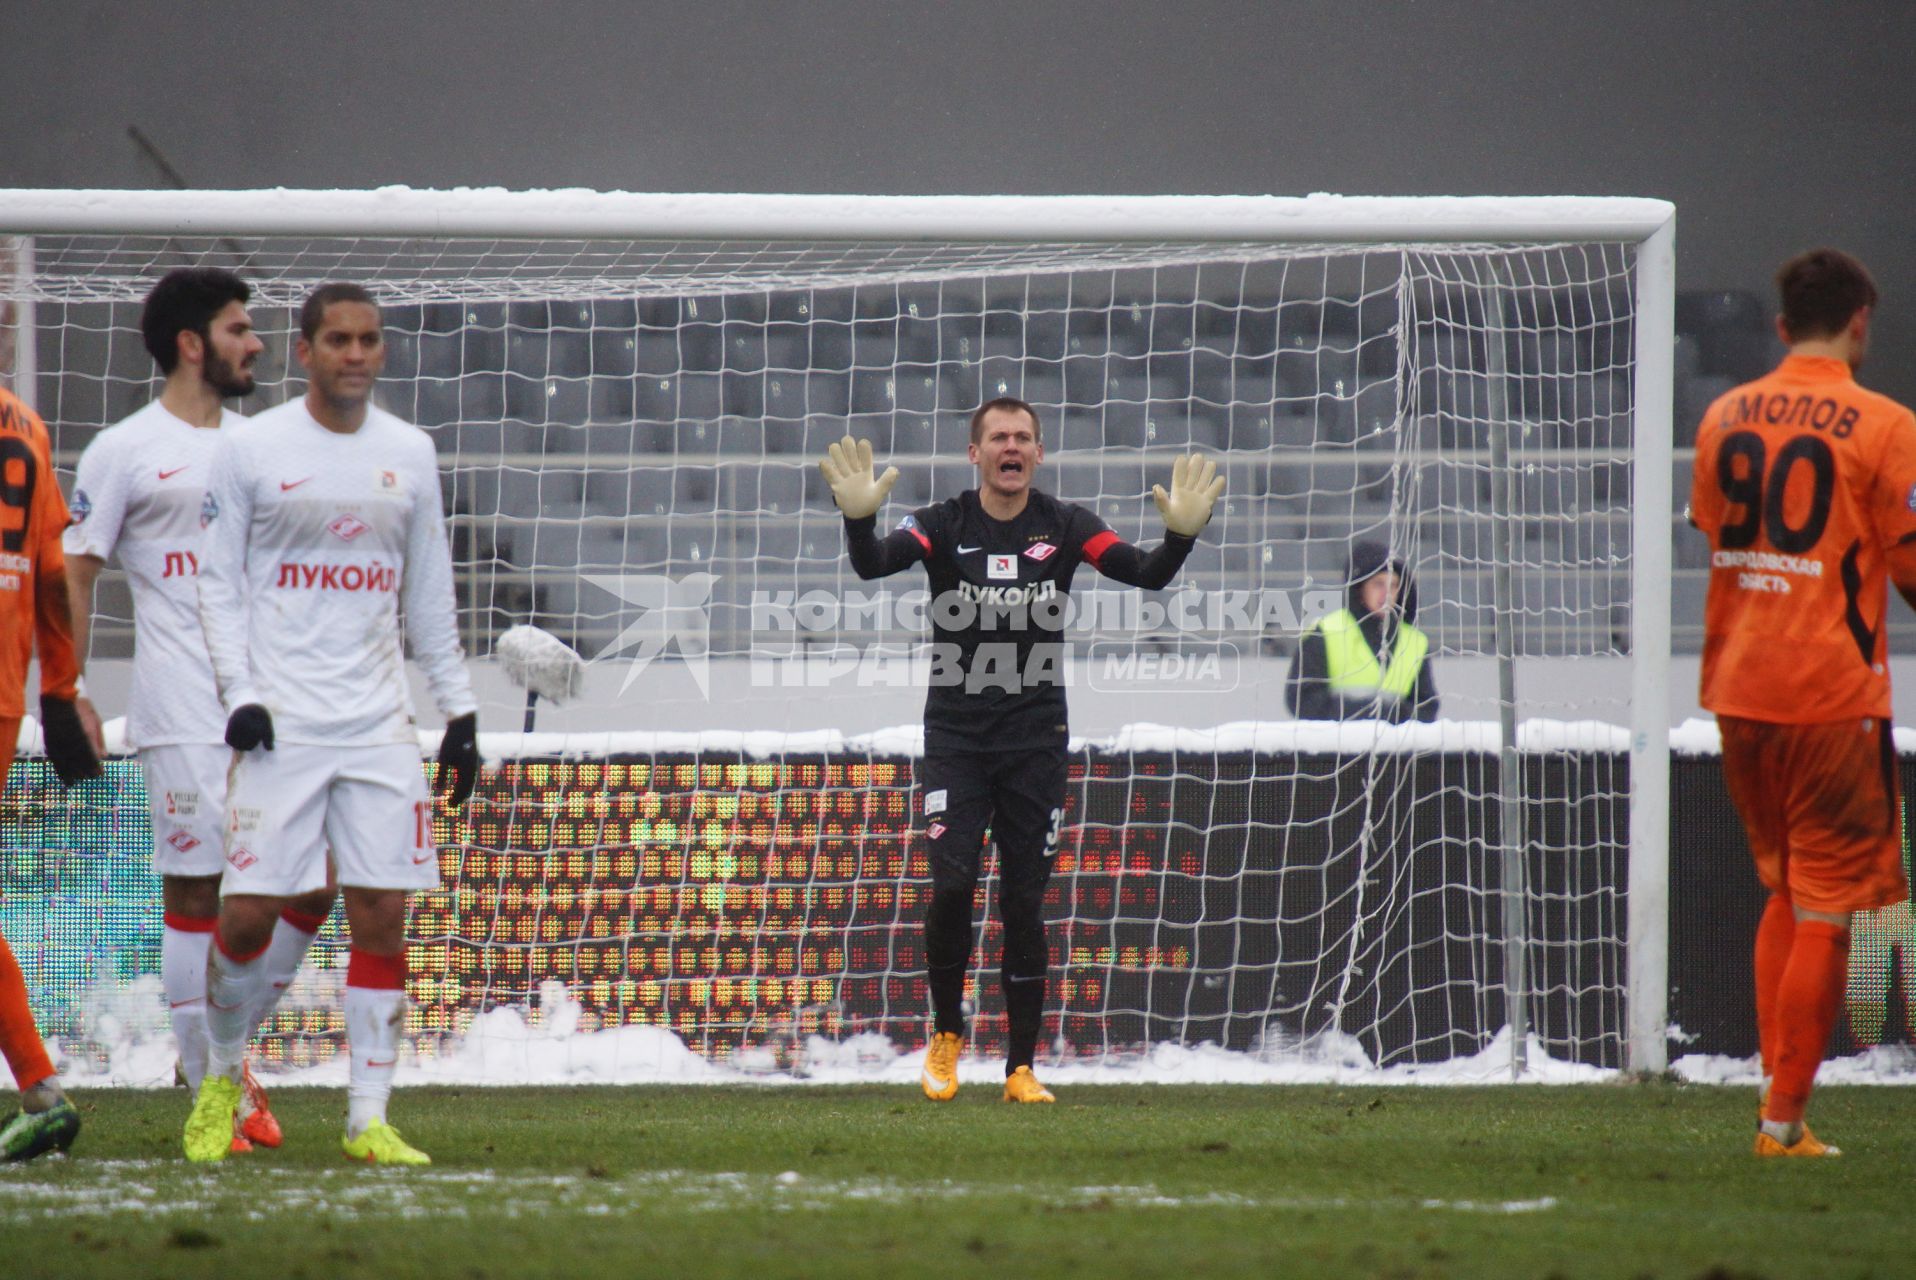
(1647,938)
(26,346)
(1510,831)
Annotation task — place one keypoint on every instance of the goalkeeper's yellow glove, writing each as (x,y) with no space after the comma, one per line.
(848,470)
(1195,486)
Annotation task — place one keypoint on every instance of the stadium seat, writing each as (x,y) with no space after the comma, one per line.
(434,402)
(915,389)
(610,399)
(652,492)
(772,539)
(777,490)
(482,341)
(738,437)
(1125,422)
(551,401)
(699,395)
(914,485)
(614,353)
(482,399)
(741,395)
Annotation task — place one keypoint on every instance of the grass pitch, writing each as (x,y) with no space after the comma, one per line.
(1177,1181)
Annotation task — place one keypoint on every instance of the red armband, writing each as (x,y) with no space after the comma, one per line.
(1097,545)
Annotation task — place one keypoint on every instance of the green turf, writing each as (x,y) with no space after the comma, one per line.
(1187,1182)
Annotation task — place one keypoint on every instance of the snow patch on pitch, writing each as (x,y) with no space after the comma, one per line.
(545,1045)
(129,1043)
(1881,1064)
(255,1192)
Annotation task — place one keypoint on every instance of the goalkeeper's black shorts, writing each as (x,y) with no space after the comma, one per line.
(1017,795)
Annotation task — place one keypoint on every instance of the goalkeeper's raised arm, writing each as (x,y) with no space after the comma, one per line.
(1195,487)
(999,560)
(859,494)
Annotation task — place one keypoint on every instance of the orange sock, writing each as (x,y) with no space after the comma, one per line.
(19,1038)
(1806,1003)
(1774,937)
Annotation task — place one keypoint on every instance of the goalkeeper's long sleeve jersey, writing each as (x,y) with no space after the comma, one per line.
(313,541)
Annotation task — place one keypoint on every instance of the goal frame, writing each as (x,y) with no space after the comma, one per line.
(1647,225)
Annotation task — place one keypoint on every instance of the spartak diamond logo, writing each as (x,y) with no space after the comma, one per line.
(935,830)
(184,841)
(348,526)
(1039,551)
(242,858)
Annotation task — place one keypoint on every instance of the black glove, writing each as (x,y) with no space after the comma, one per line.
(248,727)
(458,769)
(68,750)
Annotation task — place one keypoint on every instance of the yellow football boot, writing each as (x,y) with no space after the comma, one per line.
(380,1143)
(1022,1086)
(1807,1144)
(209,1128)
(939,1075)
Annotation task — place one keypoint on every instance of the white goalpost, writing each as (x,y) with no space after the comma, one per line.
(716,838)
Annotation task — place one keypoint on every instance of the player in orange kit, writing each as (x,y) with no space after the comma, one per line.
(1806,485)
(33,608)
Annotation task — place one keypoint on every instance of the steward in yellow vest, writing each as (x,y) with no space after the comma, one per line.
(1366,661)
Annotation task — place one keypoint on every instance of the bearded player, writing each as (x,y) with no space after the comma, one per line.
(138,494)
(323,520)
(1000,560)
(1806,485)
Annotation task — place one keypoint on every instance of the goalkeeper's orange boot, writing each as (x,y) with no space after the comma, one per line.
(939,1076)
(1806,1144)
(1022,1086)
(257,1124)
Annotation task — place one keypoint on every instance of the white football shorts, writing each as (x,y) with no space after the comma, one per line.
(285,807)
(186,792)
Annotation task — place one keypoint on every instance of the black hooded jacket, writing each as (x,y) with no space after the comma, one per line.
(1308,691)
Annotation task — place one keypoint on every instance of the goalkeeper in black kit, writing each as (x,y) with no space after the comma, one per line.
(1000,560)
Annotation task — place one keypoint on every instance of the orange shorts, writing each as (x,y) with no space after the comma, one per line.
(1822,807)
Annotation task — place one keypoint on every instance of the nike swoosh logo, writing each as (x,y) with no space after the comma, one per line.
(420,862)
(168,475)
(387,1063)
(284,486)
(181,1004)
(965,551)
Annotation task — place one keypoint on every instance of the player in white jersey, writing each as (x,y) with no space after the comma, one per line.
(322,519)
(138,494)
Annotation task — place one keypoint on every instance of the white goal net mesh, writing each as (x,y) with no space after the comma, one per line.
(724,844)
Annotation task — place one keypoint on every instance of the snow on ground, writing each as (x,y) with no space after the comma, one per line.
(508,1046)
(148,1188)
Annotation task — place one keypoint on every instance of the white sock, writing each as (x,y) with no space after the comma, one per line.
(284,955)
(183,978)
(43,1096)
(375,1012)
(232,992)
(1787,1132)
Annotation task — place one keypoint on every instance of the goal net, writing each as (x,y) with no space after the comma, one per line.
(720,839)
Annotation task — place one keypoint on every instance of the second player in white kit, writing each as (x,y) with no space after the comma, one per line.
(323,519)
(138,496)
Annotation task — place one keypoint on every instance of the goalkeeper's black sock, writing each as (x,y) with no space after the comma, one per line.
(1024,1012)
(947,956)
(947,998)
